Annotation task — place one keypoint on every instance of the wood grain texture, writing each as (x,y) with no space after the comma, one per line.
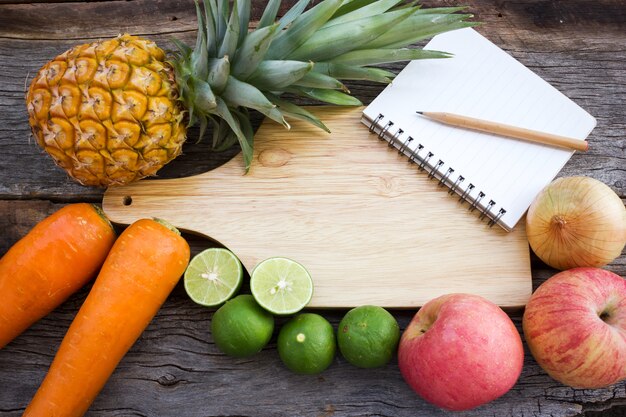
(367,225)
(579,46)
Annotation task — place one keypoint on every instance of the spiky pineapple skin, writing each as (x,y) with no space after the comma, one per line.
(108,112)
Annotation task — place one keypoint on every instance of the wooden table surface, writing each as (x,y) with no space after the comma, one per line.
(175,369)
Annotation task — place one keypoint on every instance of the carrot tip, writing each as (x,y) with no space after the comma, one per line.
(167,224)
(102,215)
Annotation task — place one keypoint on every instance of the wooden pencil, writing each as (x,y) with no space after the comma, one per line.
(506,130)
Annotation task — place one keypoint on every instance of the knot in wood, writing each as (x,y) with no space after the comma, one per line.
(168,380)
(388,186)
(274,158)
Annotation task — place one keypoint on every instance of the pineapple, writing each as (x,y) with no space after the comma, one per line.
(108,112)
(115,111)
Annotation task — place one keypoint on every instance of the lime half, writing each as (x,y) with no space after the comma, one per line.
(213,276)
(281,286)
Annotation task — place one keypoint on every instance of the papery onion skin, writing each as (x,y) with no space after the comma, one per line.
(576,221)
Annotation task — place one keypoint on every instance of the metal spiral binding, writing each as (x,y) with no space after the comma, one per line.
(414,155)
(395,137)
(476,201)
(405,145)
(375,122)
(487,209)
(444,178)
(381,134)
(424,161)
(456,184)
(495,220)
(467,191)
(436,171)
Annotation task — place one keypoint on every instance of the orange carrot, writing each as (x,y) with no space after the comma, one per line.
(141,270)
(55,259)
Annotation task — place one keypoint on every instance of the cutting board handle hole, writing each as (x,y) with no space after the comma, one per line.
(127,200)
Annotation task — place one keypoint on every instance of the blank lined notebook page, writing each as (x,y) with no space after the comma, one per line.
(484,82)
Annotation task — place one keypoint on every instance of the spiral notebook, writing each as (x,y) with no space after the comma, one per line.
(498,177)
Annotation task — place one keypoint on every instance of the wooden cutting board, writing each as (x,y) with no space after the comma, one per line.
(367,225)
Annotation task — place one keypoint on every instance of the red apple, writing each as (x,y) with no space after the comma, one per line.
(575,326)
(460,351)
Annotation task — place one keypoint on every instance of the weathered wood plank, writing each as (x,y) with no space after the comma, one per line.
(176,369)
(582,56)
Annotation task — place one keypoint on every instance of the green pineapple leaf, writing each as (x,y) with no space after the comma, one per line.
(336,40)
(269,14)
(184,51)
(372,9)
(203,125)
(327,96)
(221,19)
(208,29)
(241,94)
(319,80)
(252,51)
(219,70)
(204,99)
(292,14)
(231,37)
(220,131)
(246,127)
(244,18)
(223,135)
(349,72)
(443,10)
(276,75)
(417,27)
(306,53)
(226,140)
(383,56)
(296,112)
(352,5)
(302,29)
(199,56)
(245,142)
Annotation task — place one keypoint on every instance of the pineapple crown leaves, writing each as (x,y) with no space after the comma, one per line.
(305,53)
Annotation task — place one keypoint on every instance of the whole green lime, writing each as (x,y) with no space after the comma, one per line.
(241,327)
(306,344)
(368,336)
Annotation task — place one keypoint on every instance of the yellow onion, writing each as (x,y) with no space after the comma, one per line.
(576,221)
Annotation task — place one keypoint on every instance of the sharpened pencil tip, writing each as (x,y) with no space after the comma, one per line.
(419,112)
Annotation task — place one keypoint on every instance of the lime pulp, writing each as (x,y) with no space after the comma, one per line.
(281,285)
(213,276)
